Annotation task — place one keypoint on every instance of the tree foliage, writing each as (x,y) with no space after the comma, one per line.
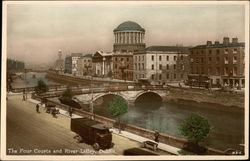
(41,87)
(118,107)
(67,94)
(195,128)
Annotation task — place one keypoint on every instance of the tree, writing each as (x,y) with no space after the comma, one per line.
(41,87)
(67,94)
(195,128)
(118,107)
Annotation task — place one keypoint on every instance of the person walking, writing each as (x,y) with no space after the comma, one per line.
(157,134)
(70,111)
(37,108)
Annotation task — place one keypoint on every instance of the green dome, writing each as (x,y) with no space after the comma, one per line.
(129,26)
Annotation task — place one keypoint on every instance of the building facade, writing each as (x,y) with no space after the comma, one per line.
(123,66)
(223,63)
(129,37)
(84,64)
(71,63)
(160,65)
(59,64)
(102,64)
(14,65)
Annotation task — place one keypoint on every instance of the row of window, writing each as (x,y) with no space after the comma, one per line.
(154,77)
(217,51)
(141,58)
(210,59)
(141,66)
(217,70)
(121,59)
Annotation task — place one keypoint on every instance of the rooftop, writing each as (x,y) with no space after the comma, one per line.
(167,48)
(129,26)
(219,45)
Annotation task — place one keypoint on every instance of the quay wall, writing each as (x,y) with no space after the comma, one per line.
(163,138)
(204,97)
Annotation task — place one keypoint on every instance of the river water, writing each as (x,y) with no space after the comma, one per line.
(227,123)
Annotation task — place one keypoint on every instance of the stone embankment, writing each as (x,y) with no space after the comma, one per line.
(202,97)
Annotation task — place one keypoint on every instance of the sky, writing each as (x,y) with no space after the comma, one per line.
(35,32)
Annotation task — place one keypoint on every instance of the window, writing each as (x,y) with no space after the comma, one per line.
(152,76)
(160,58)
(142,66)
(121,59)
(152,67)
(217,51)
(235,58)
(139,65)
(226,51)
(235,50)
(135,66)
(201,60)
(167,58)
(174,76)
(174,58)
(174,66)
(152,57)
(139,58)
(210,51)
(226,71)
(235,71)
(159,76)
(115,66)
(142,58)
(127,59)
(181,76)
(115,59)
(210,58)
(160,67)
(167,67)
(167,76)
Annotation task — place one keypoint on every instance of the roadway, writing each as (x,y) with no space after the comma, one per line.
(28,130)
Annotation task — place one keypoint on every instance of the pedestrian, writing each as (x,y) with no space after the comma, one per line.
(37,108)
(23,97)
(70,111)
(157,134)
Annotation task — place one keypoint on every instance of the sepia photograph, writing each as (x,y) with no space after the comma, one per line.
(125,80)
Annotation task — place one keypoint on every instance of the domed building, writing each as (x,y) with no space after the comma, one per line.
(129,37)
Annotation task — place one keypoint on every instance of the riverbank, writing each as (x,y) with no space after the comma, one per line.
(205,98)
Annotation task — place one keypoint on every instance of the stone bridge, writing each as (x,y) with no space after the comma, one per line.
(130,95)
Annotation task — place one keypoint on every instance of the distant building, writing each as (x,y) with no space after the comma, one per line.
(223,63)
(161,64)
(15,65)
(71,63)
(84,64)
(59,64)
(129,37)
(102,64)
(123,66)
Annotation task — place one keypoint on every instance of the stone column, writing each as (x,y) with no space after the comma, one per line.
(103,66)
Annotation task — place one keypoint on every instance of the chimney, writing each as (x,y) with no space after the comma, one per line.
(226,40)
(235,40)
(209,42)
(216,42)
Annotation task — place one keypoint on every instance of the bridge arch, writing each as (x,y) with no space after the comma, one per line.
(147,92)
(106,94)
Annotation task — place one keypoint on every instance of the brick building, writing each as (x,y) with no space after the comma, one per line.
(223,63)
(123,66)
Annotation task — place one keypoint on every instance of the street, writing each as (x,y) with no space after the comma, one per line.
(30,133)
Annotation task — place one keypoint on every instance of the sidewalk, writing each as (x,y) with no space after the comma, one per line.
(125,134)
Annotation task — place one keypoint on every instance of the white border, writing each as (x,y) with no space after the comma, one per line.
(127,3)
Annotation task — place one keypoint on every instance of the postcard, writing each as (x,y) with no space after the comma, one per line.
(125,80)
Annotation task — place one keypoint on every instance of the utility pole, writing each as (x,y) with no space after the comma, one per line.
(92,103)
